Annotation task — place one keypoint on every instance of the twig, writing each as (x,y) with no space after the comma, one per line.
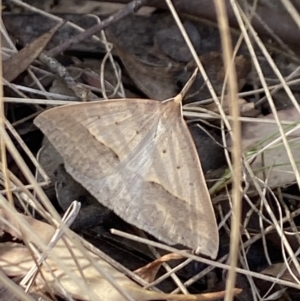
(59,69)
(130,8)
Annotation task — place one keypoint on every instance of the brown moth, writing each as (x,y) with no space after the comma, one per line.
(137,157)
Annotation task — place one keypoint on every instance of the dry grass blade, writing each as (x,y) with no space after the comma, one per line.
(204,260)
(198,62)
(280,270)
(2,140)
(236,151)
(241,17)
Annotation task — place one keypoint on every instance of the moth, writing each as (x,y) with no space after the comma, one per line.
(137,157)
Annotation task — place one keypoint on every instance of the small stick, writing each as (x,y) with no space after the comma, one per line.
(59,69)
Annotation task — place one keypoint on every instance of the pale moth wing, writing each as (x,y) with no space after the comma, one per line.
(138,158)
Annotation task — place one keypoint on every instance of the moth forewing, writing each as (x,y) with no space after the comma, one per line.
(138,158)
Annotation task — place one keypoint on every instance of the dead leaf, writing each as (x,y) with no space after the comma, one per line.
(214,68)
(91,214)
(155,80)
(21,60)
(149,271)
(49,159)
(8,294)
(277,268)
(137,157)
(60,86)
(256,135)
(15,258)
(255,132)
(170,41)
